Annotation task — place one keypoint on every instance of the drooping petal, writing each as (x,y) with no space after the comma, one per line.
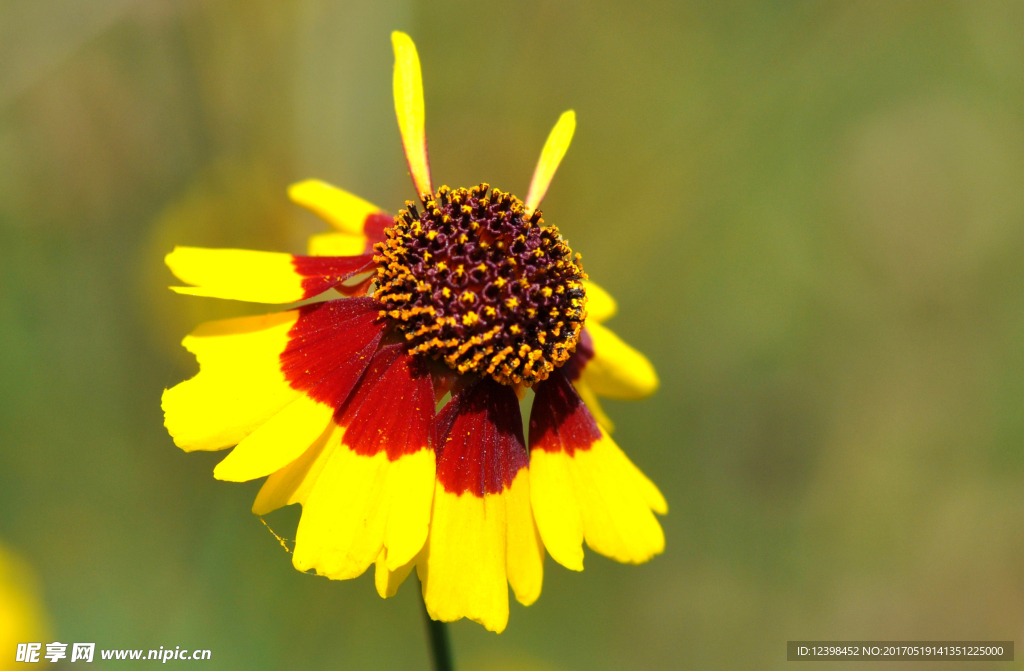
(260,277)
(482,532)
(616,370)
(408,92)
(374,493)
(240,384)
(552,154)
(583,487)
(600,304)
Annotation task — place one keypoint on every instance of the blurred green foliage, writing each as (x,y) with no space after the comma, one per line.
(811,215)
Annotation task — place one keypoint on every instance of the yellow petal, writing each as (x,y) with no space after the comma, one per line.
(556,507)
(278,442)
(386,581)
(598,495)
(411,482)
(463,569)
(617,370)
(239,386)
(261,277)
(339,208)
(648,490)
(294,482)
(554,150)
(594,405)
(525,562)
(408,91)
(617,517)
(22,612)
(360,505)
(600,304)
(240,274)
(336,244)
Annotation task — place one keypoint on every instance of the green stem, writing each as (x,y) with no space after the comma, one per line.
(440,643)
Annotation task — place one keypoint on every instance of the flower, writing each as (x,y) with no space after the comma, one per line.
(472,297)
(22,615)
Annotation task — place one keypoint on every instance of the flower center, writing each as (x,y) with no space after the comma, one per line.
(477,283)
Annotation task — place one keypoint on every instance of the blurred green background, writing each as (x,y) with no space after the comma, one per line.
(812,215)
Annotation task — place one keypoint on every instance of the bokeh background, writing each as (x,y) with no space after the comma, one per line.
(812,215)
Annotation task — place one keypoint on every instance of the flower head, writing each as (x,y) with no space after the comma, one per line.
(466,294)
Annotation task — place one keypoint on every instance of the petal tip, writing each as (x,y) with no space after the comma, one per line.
(550,157)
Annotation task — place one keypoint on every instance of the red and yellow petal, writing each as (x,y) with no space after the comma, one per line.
(573,369)
(373,494)
(593,404)
(584,488)
(359,224)
(271,384)
(260,277)
(344,211)
(482,533)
